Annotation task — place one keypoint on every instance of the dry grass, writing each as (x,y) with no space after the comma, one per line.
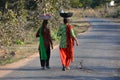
(77,20)
(15,53)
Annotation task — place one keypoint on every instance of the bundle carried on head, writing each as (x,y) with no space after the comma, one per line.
(45,16)
(66,14)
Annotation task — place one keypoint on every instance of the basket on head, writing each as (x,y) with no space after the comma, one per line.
(45,16)
(66,15)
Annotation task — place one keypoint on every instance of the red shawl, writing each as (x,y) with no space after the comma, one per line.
(70,41)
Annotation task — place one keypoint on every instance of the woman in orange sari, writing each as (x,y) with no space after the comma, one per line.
(67,44)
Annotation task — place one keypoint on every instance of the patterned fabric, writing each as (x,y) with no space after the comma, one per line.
(66,44)
(62,32)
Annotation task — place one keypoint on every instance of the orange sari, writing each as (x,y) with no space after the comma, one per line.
(67,54)
(70,42)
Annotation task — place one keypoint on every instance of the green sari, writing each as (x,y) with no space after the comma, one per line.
(43,55)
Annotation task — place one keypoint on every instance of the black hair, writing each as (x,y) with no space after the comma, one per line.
(65,20)
(45,21)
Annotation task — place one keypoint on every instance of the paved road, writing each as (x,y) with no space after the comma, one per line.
(99,53)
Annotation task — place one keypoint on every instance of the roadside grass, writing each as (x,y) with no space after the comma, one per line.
(78,21)
(30,48)
(16,53)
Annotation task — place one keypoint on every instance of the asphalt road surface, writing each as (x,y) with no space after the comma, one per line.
(98,53)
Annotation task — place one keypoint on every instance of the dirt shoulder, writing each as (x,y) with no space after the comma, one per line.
(6,69)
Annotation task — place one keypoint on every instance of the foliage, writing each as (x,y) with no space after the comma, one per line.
(96,3)
(10,29)
(118,2)
(20,18)
(19,42)
(75,3)
(31,5)
(86,3)
(116,14)
(90,3)
(54,35)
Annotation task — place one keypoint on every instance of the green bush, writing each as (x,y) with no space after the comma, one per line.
(19,42)
(118,11)
(115,14)
(54,35)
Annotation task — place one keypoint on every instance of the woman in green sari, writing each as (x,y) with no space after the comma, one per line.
(45,42)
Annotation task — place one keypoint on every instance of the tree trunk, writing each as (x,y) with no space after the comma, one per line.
(106,8)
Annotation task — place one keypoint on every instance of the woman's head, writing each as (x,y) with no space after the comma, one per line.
(66,20)
(45,22)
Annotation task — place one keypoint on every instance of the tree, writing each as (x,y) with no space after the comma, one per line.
(96,3)
(117,2)
(86,3)
(75,3)
(23,15)
(31,4)
(3,5)
(106,2)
